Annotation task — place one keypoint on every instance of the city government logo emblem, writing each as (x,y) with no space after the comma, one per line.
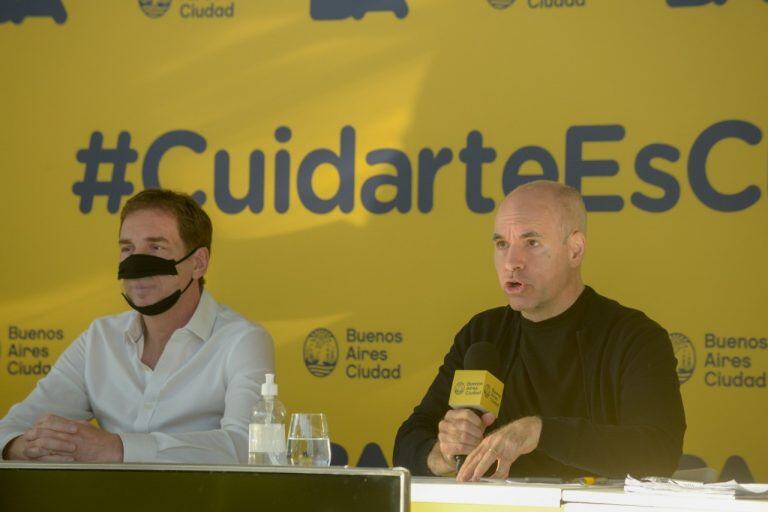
(685,355)
(321,352)
(459,388)
(500,4)
(155,8)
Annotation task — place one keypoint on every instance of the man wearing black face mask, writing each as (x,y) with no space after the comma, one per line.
(172,381)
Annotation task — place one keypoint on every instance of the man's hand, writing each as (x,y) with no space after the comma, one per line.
(57,439)
(41,444)
(459,432)
(504,446)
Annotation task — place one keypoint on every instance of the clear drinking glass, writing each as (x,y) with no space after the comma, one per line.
(308,441)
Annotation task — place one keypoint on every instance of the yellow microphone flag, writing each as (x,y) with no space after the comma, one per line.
(476,389)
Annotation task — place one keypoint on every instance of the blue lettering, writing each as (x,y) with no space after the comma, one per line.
(282,171)
(697,166)
(429,164)
(401,181)
(576,168)
(165,142)
(475,155)
(649,174)
(254,198)
(344,163)
(511,178)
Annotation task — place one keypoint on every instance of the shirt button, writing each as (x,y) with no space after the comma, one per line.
(149,405)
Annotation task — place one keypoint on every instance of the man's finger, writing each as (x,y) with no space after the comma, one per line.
(451,449)
(57,445)
(457,415)
(56,458)
(466,469)
(32,434)
(33,451)
(37,433)
(457,426)
(453,432)
(48,446)
(502,469)
(488,418)
(486,461)
(471,461)
(471,427)
(53,422)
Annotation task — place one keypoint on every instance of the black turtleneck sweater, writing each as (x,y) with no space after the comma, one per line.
(601,376)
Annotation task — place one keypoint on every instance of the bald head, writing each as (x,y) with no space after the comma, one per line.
(562,201)
(539,240)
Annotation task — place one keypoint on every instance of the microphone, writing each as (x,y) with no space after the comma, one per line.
(477,386)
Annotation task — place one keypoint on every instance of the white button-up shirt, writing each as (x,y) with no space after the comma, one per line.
(193,407)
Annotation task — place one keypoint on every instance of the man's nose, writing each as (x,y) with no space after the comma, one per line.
(513,260)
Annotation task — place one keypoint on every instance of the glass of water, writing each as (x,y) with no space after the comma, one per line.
(308,441)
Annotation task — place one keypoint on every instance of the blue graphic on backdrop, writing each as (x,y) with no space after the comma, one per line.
(321,352)
(693,3)
(155,8)
(734,468)
(17,10)
(696,3)
(341,9)
(413,181)
(371,456)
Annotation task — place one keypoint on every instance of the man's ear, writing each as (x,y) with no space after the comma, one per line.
(200,260)
(577,245)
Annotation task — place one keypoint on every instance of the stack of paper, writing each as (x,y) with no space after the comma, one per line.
(670,487)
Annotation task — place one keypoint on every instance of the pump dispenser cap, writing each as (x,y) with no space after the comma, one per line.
(269,388)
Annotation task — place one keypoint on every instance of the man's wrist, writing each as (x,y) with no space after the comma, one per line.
(437,462)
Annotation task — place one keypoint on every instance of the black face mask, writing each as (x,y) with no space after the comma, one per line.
(137,266)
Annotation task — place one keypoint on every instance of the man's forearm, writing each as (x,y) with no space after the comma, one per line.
(211,447)
(611,450)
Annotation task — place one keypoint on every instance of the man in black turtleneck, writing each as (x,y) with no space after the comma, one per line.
(590,386)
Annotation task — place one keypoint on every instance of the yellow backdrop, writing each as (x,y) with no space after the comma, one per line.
(350,154)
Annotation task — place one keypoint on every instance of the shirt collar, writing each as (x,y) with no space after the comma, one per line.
(201,323)
(135,330)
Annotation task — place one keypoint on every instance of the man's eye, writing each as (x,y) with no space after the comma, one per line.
(533,243)
(501,244)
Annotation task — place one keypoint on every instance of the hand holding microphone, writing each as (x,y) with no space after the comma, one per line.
(475,399)
(459,433)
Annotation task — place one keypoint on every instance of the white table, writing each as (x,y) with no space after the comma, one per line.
(448,495)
